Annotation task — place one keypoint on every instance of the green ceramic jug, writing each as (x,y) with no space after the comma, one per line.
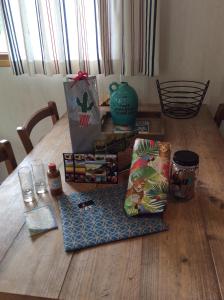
(123,103)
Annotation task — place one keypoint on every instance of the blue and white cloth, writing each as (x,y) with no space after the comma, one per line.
(102,222)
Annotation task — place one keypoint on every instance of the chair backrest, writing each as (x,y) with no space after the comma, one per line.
(25,131)
(7,155)
(219,116)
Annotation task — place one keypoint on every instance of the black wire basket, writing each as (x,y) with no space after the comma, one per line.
(181,99)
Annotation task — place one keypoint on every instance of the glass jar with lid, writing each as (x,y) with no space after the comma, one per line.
(184,174)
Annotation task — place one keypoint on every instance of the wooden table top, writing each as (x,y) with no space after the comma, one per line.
(186,262)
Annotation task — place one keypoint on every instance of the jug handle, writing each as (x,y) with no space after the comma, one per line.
(113,87)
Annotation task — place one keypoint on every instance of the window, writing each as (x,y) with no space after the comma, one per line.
(96,36)
(4,58)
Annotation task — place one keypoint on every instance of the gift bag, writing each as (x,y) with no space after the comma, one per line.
(148,181)
(83,111)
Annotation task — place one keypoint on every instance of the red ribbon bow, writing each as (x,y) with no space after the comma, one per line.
(81,76)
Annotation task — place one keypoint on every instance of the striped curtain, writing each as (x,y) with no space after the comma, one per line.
(96,36)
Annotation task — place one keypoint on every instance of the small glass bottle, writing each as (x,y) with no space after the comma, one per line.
(184,173)
(54,179)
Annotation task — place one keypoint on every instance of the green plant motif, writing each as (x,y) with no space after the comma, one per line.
(84,104)
(145,148)
(158,189)
(150,175)
(156,197)
(153,205)
(130,209)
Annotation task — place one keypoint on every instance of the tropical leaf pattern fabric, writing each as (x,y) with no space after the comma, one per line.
(148,182)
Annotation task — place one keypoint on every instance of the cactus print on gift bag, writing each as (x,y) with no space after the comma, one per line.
(86,107)
(83,112)
(148,182)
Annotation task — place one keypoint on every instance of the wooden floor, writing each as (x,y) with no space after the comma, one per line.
(186,262)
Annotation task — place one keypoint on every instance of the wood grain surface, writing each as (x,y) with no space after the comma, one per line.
(186,262)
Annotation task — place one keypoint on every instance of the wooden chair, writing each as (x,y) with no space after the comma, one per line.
(25,131)
(7,155)
(219,116)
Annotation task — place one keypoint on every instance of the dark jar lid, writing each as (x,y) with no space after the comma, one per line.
(186,158)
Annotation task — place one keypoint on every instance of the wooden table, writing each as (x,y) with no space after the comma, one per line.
(187,262)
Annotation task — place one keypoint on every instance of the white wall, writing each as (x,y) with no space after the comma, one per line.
(20,96)
(191,47)
(192,43)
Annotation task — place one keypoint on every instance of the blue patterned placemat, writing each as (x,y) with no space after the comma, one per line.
(97,217)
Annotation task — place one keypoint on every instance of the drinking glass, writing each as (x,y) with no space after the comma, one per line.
(26,183)
(39,176)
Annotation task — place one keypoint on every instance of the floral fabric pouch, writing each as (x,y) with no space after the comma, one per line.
(148,182)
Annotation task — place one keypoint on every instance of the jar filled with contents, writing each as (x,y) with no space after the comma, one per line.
(54,180)
(184,173)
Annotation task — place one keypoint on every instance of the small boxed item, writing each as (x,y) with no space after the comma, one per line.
(91,168)
(148,182)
